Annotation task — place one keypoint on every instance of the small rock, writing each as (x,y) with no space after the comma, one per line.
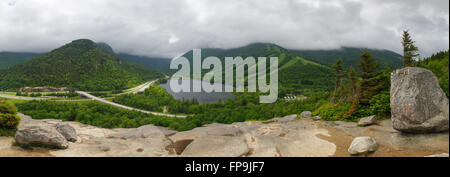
(362,145)
(67,131)
(305,114)
(366,121)
(285,118)
(438,155)
(316,118)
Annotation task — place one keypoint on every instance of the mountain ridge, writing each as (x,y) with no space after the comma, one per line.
(81,64)
(350,56)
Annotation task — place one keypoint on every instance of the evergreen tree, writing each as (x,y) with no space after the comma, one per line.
(409,49)
(339,76)
(371,80)
(354,85)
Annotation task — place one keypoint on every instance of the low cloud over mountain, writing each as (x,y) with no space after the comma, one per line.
(170,27)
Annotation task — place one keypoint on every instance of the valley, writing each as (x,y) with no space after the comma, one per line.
(113,93)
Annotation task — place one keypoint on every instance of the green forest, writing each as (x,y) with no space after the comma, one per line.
(8,59)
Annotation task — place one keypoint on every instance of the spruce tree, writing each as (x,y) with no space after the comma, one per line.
(354,85)
(371,80)
(409,49)
(353,95)
(339,73)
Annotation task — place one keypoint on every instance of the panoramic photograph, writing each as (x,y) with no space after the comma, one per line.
(224,78)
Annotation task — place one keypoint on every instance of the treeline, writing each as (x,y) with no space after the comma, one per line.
(69,94)
(155,98)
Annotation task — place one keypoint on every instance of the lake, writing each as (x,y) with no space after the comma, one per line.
(202,97)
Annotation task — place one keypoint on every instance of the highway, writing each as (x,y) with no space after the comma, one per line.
(126,107)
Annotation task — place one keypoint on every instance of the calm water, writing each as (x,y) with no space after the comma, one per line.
(202,97)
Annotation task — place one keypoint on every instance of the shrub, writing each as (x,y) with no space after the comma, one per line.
(8,118)
(332,111)
(7,107)
(9,121)
(7,132)
(380,104)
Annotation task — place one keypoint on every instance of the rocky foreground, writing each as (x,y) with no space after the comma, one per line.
(279,137)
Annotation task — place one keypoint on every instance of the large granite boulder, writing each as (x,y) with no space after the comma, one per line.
(418,104)
(40,134)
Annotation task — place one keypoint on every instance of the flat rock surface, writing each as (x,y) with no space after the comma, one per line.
(216,146)
(290,137)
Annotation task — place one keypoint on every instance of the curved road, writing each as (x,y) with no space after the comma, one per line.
(126,107)
(139,88)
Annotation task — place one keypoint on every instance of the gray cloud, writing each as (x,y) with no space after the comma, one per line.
(171,27)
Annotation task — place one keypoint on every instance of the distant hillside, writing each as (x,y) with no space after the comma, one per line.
(295,74)
(160,64)
(155,63)
(12,58)
(80,64)
(350,56)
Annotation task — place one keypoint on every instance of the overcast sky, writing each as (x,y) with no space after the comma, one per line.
(170,27)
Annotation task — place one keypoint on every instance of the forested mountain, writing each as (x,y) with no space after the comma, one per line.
(12,58)
(81,64)
(295,74)
(350,56)
(156,63)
